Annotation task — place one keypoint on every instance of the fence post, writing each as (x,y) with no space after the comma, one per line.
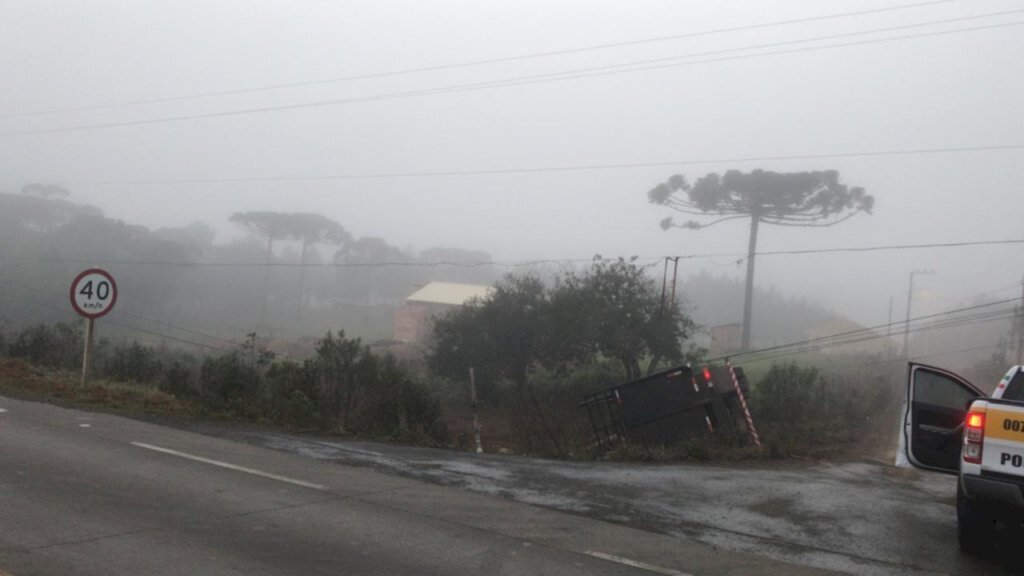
(476,419)
(743,404)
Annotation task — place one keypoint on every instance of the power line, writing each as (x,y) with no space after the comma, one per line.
(167,336)
(537,170)
(581,72)
(834,366)
(515,81)
(534,55)
(881,248)
(861,331)
(119,312)
(394,264)
(137,329)
(175,327)
(508,264)
(867,337)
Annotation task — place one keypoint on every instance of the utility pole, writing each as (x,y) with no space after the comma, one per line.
(906,324)
(476,417)
(1019,317)
(889,325)
(889,348)
(675,274)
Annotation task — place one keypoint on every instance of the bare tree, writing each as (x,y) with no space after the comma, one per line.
(807,199)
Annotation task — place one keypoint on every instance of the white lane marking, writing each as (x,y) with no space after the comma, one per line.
(229,466)
(635,564)
(85,425)
(2,410)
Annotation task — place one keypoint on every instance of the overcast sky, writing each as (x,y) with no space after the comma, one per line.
(954,90)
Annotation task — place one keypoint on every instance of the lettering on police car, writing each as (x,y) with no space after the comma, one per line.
(1015,460)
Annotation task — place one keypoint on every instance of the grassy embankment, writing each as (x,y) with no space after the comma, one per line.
(20,380)
(800,414)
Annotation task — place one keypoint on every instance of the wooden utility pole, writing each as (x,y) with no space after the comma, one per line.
(889,325)
(476,418)
(1019,317)
(675,274)
(748,294)
(910,299)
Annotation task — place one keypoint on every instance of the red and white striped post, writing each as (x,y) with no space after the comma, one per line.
(743,404)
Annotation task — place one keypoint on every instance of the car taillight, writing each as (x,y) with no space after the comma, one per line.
(974,436)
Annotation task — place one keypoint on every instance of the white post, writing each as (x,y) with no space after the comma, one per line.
(476,419)
(743,405)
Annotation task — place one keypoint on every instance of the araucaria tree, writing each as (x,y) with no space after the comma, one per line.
(806,199)
(314,229)
(269,226)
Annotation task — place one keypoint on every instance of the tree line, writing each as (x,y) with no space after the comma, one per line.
(293,274)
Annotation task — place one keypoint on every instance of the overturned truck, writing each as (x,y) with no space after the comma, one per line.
(670,406)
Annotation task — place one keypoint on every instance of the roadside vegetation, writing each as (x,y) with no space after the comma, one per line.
(342,388)
(345,389)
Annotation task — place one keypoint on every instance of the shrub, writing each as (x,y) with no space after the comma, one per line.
(57,346)
(361,393)
(178,380)
(133,363)
(229,384)
(798,410)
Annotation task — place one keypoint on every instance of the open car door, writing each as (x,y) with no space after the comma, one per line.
(933,418)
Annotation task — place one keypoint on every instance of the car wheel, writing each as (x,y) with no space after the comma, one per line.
(974,525)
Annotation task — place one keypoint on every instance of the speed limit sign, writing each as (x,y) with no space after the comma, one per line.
(93,293)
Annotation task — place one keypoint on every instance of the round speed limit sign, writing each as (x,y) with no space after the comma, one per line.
(93,293)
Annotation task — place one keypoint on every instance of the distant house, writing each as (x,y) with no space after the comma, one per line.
(413,317)
(725,339)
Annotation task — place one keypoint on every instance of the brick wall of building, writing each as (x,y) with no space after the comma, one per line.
(412,321)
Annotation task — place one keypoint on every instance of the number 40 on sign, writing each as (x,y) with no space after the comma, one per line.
(93,294)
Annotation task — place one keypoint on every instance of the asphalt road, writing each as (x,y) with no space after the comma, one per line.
(84,493)
(865,518)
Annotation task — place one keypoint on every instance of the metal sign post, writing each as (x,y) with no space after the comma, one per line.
(93,294)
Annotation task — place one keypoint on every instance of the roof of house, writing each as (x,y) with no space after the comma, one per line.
(449,293)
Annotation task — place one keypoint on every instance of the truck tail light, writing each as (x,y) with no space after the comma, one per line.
(974,437)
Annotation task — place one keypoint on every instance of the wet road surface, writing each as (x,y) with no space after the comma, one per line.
(94,494)
(859,518)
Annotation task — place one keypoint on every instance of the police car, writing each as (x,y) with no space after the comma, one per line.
(950,425)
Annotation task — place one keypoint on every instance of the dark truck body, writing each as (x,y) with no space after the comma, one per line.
(667,407)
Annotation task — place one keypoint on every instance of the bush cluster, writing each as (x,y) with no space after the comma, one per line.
(58,346)
(798,410)
(342,388)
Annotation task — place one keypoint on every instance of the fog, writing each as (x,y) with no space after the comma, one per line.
(384,167)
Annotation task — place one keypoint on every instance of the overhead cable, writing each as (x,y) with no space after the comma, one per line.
(515,81)
(504,264)
(536,170)
(440,67)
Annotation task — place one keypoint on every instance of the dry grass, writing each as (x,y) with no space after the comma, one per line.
(21,380)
